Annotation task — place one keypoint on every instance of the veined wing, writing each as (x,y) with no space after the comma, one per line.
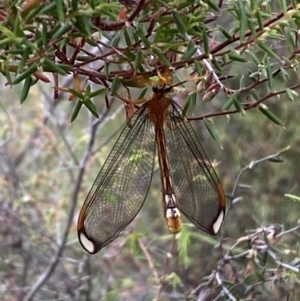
(121,186)
(199,193)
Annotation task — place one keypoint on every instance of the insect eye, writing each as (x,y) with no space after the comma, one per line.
(155,89)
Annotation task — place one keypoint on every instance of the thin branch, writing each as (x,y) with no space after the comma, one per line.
(73,203)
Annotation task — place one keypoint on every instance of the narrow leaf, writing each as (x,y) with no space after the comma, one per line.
(211,129)
(290,93)
(76,93)
(267,49)
(264,109)
(243,19)
(189,53)
(205,43)
(60,10)
(253,57)
(91,107)
(229,101)
(225,33)
(138,60)
(212,5)
(127,37)
(237,57)
(26,88)
(115,84)
(199,68)
(23,60)
(160,55)
(76,110)
(28,72)
(259,20)
(270,77)
(64,28)
(97,92)
(180,24)
(191,100)
(143,37)
(51,66)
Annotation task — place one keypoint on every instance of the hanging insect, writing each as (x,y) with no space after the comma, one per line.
(190,185)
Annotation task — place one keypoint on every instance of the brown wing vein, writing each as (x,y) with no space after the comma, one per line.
(122,184)
(197,186)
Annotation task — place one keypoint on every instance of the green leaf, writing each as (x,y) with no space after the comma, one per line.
(26,88)
(77,94)
(270,77)
(115,84)
(267,49)
(205,43)
(127,37)
(290,93)
(24,58)
(180,24)
(191,100)
(60,10)
(184,242)
(160,55)
(51,66)
(116,39)
(76,110)
(18,32)
(254,94)
(243,19)
(74,5)
(143,93)
(237,57)
(143,37)
(106,69)
(90,106)
(98,92)
(211,129)
(217,65)
(45,33)
(283,6)
(8,33)
(83,24)
(225,33)
(63,29)
(264,109)
(138,60)
(212,5)
(238,107)
(48,8)
(189,53)
(291,42)
(259,20)
(253,57)
(28,72)
(199,68)
(242,81)
(34,12)
(229,102)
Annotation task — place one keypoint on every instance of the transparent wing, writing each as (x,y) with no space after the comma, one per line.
(199,193)
(121,186)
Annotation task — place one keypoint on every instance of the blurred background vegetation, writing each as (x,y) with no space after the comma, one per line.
(71,64)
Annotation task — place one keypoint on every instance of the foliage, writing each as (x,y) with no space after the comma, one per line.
(240,57)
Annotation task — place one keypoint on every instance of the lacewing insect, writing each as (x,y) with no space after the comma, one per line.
(190,185)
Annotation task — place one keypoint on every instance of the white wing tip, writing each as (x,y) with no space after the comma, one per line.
(218,223)
(86,243)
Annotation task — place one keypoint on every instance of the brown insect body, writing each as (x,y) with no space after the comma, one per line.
(189,182)
(159,114)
